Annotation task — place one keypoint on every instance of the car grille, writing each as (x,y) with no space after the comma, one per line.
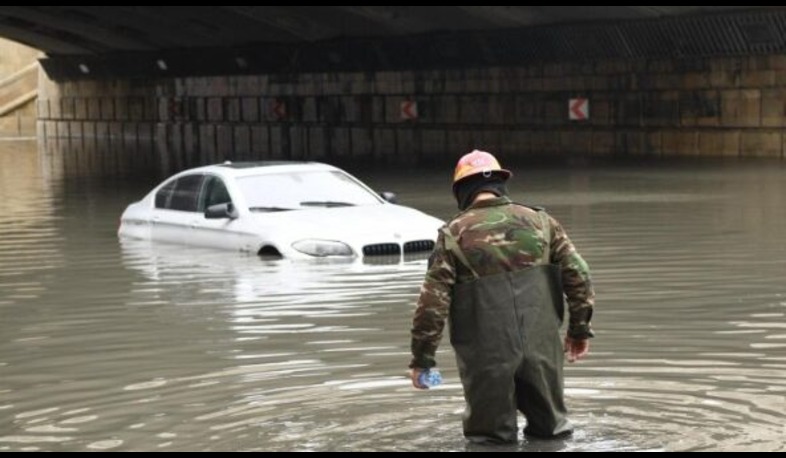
(394,249)
(420,246)
(384,249)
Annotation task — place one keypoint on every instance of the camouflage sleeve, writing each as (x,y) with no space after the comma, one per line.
(433,307)
(576,282)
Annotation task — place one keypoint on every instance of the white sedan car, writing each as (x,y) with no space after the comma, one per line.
(279,210)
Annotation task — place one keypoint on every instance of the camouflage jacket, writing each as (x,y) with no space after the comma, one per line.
(497,236)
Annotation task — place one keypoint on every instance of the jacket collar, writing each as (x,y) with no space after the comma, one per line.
(496,202)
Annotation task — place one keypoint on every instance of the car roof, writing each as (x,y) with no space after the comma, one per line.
(242,169)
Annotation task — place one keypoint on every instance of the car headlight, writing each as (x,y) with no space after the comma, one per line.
(323,248)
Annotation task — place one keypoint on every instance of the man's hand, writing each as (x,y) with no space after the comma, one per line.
(576,350)
(414,374)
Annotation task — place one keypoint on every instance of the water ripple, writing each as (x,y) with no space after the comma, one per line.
(137,347)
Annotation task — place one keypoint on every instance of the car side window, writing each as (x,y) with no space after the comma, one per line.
(215,193)
(185,197)
(164,194)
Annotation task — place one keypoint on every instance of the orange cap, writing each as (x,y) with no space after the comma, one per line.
(479,162)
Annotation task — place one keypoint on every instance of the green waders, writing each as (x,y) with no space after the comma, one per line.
(505,332)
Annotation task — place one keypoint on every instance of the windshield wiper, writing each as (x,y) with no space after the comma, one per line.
(327,204)
(271,209)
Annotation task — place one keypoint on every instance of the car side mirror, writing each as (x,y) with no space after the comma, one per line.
(390,197)
(222,211)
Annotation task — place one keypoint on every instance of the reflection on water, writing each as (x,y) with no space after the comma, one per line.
(132,346)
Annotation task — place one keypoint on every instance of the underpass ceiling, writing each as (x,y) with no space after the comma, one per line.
(63,30)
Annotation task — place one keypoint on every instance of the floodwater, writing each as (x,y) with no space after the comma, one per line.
(131,346)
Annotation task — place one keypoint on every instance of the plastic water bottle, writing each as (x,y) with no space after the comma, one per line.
(430,378)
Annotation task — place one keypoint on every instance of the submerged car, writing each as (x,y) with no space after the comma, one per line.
(280,210)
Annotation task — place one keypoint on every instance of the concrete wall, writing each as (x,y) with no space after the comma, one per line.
(724,107)
(21,119)
(20,123)
(14,57)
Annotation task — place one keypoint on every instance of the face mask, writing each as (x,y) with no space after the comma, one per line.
(466,190)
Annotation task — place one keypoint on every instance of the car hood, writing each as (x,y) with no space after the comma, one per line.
(377,224)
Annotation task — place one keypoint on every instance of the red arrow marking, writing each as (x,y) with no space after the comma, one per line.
(577,109)
(409,110)
(279,109)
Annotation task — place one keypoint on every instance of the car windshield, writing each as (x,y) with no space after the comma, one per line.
(302,190)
